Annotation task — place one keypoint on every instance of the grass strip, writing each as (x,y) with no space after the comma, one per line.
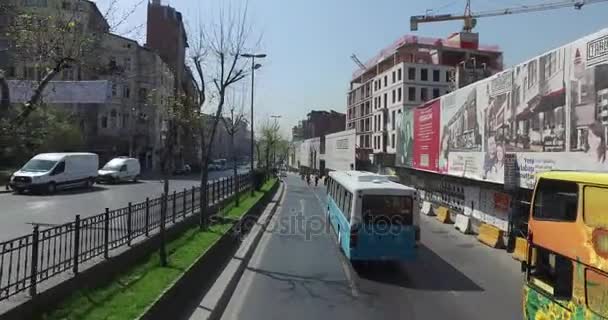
(132,292)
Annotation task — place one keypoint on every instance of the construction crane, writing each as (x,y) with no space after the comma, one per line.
(357,61)
(470,18)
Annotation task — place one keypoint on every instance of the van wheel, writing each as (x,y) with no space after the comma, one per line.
(136,178)
(90,183)
(51,188)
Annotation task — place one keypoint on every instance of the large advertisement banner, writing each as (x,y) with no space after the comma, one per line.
(426,136)
(549,113)
(461,133)
(405,139)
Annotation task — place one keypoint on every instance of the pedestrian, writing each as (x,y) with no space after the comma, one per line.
(316,180)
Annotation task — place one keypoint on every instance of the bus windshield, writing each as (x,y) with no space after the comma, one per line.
(387,209)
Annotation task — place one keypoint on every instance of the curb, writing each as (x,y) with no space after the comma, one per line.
(216,300)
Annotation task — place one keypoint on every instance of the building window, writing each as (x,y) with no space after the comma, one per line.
(399,74)
(411,73)
(435,93)
(393,119)
(367,124)
(128,64)
(436,75)
(385,99)
(126,92)
(423,94)
(411,93)
(399,94)
(394,77)
(394,96)
(424,74)
(114,88)
(367,141)
(104,122)
(367,108)
(393,140)
(385,81)
(447,76)
(143,94)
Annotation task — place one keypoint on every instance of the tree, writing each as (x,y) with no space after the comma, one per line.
(216,56)
(269,137)
(233,125)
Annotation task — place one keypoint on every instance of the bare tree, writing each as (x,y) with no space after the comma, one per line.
(216,56)
(233,125)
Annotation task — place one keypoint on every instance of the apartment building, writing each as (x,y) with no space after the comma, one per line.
(404,75)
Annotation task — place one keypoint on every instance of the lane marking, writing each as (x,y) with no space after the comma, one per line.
(351,276)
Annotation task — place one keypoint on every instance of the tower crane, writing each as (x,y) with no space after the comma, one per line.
(470,18)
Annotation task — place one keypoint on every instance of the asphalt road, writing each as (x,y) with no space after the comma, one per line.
(19,212)
(299,273)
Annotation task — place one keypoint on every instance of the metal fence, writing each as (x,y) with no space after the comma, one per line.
(32,259)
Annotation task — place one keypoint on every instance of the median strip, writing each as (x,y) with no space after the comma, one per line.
(131,293)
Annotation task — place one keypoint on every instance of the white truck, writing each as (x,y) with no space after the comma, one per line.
(49,172)
(120,169)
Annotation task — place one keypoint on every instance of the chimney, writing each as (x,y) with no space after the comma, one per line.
(156,2)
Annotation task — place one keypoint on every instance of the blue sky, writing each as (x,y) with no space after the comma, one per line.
(309,42)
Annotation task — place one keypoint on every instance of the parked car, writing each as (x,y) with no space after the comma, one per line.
(50,172)
(120,169)
(185,169)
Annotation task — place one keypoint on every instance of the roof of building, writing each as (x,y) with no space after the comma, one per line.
(362,180)
(412,39)
(590,177)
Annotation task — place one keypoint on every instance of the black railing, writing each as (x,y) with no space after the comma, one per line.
(32,259)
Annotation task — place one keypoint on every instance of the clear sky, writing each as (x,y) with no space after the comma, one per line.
(309,42)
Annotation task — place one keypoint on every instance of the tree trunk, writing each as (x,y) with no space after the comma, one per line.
(235,177)
(35,99)
(5,100)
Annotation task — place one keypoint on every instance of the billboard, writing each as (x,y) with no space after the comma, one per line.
(426,138)
(85,92)
(405,139)
(550,112)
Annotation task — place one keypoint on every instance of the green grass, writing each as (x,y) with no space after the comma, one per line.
(131,293)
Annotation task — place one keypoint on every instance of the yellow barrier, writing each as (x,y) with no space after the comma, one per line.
(521,249)
(443,215)
(490,235)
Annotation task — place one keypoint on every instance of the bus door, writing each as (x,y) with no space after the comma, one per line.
(387,230)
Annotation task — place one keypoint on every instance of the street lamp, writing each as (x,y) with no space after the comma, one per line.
(254,66)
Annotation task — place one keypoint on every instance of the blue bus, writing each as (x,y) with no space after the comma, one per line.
(375,219)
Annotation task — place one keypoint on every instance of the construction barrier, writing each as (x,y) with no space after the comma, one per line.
(521,249)
(443,215)
(490,235)
(426,209)
(463,223)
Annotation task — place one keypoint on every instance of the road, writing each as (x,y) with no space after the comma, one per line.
(18,212)
(298,273)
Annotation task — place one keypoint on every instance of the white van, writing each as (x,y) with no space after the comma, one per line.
(120,169)
(49,172)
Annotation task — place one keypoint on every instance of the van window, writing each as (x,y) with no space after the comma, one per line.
(387,209)
(123,167)
(596,287)
(552,273)
(595,206)
(555,200)
(60,168)
(36,165)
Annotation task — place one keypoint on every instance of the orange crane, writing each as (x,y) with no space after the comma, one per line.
(470,18)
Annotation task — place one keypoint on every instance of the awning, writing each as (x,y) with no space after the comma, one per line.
(551,101)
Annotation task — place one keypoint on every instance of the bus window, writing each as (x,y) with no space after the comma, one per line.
(555,200)
(596,287)
(347,204)
(388,209)
(596,207)
(552,273)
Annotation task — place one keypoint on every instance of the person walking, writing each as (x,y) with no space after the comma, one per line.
(316,180)
(308,179)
